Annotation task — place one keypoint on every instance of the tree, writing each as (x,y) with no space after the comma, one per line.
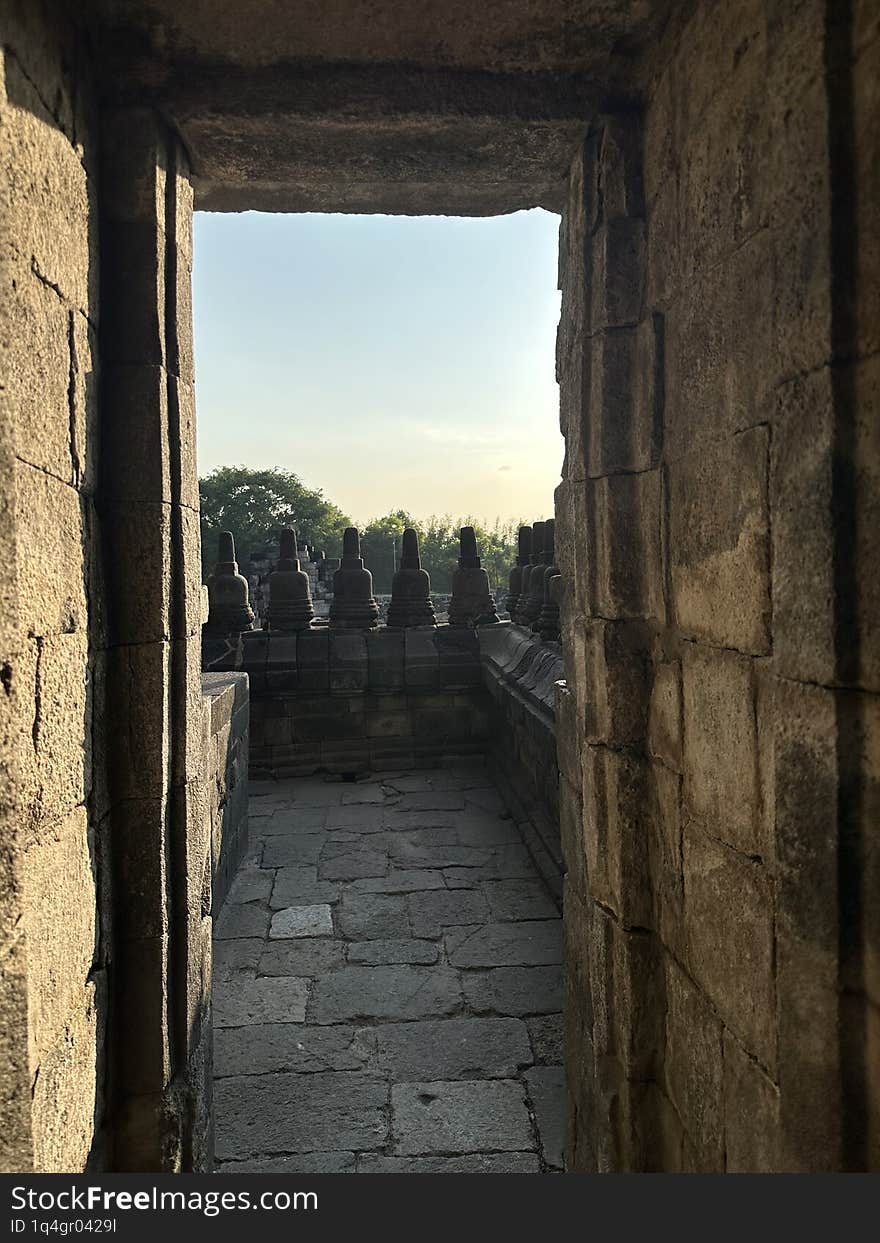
(254,504)
(439,547)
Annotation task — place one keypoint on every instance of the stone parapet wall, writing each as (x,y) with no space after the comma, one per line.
(349,702)
(522,675)
(227,727)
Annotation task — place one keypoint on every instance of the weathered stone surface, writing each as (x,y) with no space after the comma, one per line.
(299,885)
(751,1114)
(370,917)
(546,1089)
(237,957)
(264,1048)
(514,990)
(519,899)
(242,920)
(400,882)
(250,885)
(721,746)
(694,1067)
(532,943)
(384,953)
(292,851)
(301,921)
(473,1163)
(431,912)
(397,992)
(353,866)
(459,1117)
(242,1002)
(453,1048)
(299,1113)
(545,1033)
(304,957)
(298,1163)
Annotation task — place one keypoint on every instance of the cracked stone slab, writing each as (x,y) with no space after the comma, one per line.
(368,792)
(316,794)
(286,1113)
(529,944)
(356,993)
(385,953)
(299,1163)
(373,916)
(265,1048)
(418,821)
(481,829)
(285,851)
(354,866)
(442,1117)
(300,886)
(432,800)
(308,956)
(473,1163)
(416,856)
(519,899)
(243,1002)
(302,921)
(502,863)
(238,920)
(431,912)
(546,1089)
(400,882)
(453,1049)
(546,1034)
(514,990)
(237,958)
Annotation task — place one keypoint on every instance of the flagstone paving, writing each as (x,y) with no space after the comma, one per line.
(388,984)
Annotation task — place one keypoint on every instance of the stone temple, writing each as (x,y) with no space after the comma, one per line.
(601,896)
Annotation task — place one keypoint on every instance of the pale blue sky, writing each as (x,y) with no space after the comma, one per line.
(393,362)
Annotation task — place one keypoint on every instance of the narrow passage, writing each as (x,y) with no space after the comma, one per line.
(388,984)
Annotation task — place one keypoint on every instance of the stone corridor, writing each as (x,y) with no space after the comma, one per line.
(387,984)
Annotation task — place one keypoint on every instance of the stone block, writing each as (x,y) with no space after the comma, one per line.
(308,957)
(383,953)
(617,682)
(49,533)
(514,990)
(348,662)
(546,1089)
(617,828)
(459,656)
(751,1114)
(299,884)
(368,916)
(454,1048)
(243,1002)
(242,919)
(321,1112)
(61,727)
(571,820)
(437,909)
(529,943)
(473,1163)
(442,1117)
(728,907)
(617,273)
(254,654)
(626,990)
(807,926)
(721,786)
(313,660)
(693,1067)
(270,1048)
(545,1034)
(719,542)
(362,994)
(385,650)
(421,659)
(519,899)
(301,921)
(627,516)
(665,713)
(626,399)
(282,672)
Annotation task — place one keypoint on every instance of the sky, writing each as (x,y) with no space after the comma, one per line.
(393,362)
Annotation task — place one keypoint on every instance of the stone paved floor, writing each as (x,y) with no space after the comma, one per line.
(387,984)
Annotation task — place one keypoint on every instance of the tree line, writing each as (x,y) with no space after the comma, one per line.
(254,504)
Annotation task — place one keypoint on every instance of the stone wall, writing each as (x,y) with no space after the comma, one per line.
(522,675)
(720,719)
(350,702)
(226,704)
(53,638)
